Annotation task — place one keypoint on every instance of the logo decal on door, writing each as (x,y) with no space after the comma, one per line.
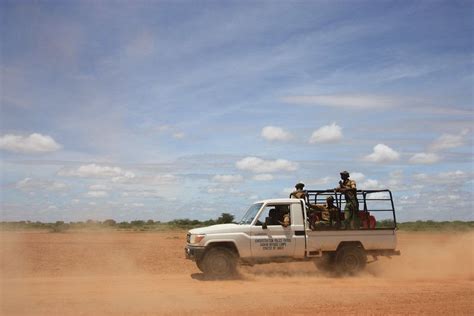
(273,243)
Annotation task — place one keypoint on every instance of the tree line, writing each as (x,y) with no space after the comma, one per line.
(141,225)
(152,225)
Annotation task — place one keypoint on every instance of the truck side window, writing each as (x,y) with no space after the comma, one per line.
(274,215)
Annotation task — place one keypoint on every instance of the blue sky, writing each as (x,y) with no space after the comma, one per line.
(162,110)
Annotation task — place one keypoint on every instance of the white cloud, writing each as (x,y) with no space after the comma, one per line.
(144,194)
(326,134)
(97,194)
(369,184)
(273,133)
(451,175)
(179,135)
(382,153)
(263,177)
(424,158)
(162,179)
(97,171)
(357,176)
(445,178)
(446,141)
(29,184)
(215,190)
(378,195)
(99,187)
(227,178)
(258,165)
(343,101)
(319,181)
(33,144)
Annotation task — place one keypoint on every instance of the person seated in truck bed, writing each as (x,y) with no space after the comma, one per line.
(327,215)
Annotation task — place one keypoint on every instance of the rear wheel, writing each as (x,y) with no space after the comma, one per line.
(350,260)
(219,263)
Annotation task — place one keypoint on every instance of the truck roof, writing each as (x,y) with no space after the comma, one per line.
(287,200)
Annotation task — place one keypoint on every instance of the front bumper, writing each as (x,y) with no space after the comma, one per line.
(194,252)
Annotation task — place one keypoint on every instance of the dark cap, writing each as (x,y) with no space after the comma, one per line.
(345,173)
(299,185)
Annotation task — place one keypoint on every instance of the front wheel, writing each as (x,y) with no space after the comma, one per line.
(350,260)
(219,263)
(199,264)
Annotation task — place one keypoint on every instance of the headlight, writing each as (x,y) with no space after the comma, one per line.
(196,239)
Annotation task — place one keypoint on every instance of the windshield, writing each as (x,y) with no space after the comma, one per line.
(250,214)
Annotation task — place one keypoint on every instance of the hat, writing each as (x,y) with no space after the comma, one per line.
(299,185)
(344,173)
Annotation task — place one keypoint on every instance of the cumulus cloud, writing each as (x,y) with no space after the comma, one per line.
(369,184)
(343,101)
(96,171)
(382,154)
(227,178)
(33,144)
(258,165)
(445,178)
(357,176)
(29,184)
(447,141)
(326,134)
(424,158)
(263,177)
(273,133)
(96,194)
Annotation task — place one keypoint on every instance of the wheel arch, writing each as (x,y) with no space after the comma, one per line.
(354,243)
(224,244)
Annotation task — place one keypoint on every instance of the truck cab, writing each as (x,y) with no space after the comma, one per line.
(282,230)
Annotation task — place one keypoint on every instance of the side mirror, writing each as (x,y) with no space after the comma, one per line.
(264,226)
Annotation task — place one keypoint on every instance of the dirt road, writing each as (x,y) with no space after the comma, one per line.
(146,274)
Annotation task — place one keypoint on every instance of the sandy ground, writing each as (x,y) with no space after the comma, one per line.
(146,274)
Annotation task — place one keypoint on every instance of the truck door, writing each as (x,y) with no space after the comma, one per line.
(269,238)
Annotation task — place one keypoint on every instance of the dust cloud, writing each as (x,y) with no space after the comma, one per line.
(134,273)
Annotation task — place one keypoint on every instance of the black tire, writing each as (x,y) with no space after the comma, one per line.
(219,263)
(326,263)
(350,260)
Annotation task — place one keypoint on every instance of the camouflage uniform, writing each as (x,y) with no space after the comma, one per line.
(329,215)
(334,218)
(298,194)
(286,220)
(348,187)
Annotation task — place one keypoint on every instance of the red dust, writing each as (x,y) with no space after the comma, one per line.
(126,273)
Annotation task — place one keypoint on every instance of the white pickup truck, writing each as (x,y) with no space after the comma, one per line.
(218,249)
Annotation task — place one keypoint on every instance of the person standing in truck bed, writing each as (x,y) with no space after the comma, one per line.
(348,187)
(299,192)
